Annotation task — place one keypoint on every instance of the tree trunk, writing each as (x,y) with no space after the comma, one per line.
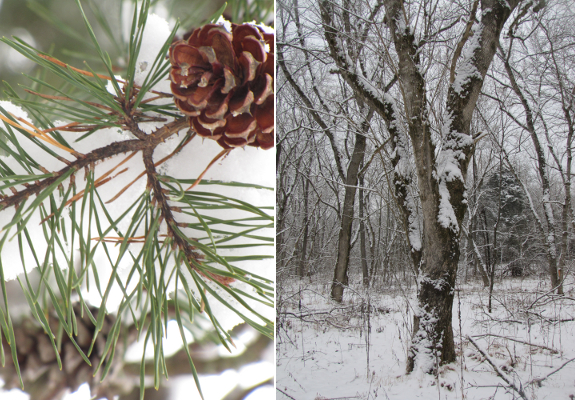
(305,223)
(433,332)
(340,278)
(373,247)
(433,229)
(363,243)
(542,168)
(474,218)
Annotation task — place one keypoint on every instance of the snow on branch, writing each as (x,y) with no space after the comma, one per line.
(538,381)
(468,69)
(403,174)
(344,63)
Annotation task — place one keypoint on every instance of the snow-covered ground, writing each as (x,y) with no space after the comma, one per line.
(339,351)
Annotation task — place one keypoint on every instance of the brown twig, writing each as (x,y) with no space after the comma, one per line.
(176,150)
(162,204)
(94,156)
(222,153)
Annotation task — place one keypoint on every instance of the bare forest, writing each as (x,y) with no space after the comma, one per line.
(425,225)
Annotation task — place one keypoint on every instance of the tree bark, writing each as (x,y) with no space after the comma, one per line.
(363,242)
(340,278)
(305,223)
(440,175)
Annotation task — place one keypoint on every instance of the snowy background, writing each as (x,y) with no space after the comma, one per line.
(327,351)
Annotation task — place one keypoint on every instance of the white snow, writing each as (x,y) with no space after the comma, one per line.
(323,354)
(414,223)
(225,23)
(156,32)
(264,27)
(447,170)
(446,215)
(15,110)
(110,85)
(375,92)
(12,266)
(427,351)
(466,69)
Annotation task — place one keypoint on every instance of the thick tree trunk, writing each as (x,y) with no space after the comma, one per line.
(340,279)
(440,175)
(432,341)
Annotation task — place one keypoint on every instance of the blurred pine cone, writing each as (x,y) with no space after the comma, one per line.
(224,82)
(41,374)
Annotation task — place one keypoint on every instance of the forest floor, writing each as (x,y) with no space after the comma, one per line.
(328,351)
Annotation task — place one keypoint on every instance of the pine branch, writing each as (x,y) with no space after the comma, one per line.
(167,215)
(113,149)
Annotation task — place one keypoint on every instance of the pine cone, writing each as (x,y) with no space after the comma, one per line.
(42,377)
(224,82)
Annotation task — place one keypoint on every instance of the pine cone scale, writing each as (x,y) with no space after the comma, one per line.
(240,127)
(255,47)
(249,65)
(241,103)
(264,87)
(265,116)
(186,108)
(209,123)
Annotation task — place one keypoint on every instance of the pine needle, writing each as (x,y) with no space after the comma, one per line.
(166,158)
(223,153)
(37,134)
(103,179)
(80,71)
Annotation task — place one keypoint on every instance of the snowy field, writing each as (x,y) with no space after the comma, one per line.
(328,351)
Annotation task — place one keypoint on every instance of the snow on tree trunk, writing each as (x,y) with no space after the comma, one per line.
(440,164)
